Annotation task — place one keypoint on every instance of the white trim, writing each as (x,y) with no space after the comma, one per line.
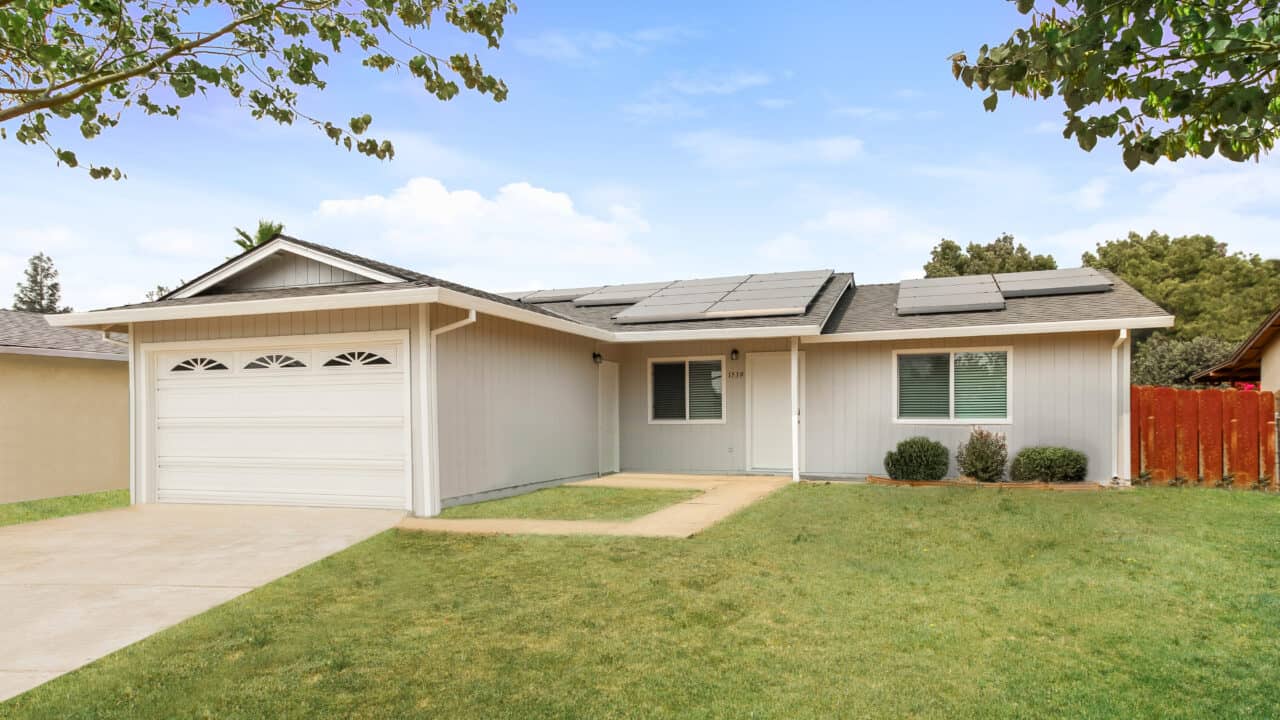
(426,499)
(510,312)
(146,467)
(1121,337)
(950,352)
(133,423)
(794,415)
(1069,326)
(746,333)
(51,352)
(262,252)
(686,359)
(750,463)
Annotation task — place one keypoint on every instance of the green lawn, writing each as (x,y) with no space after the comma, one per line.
(20,512)
(574,503)
(821,601)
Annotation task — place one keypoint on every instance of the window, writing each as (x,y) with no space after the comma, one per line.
(273,362)
(953,386)
(686,390)
(356,357)
(198,364)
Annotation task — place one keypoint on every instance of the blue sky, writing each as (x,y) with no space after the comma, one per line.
(641,141)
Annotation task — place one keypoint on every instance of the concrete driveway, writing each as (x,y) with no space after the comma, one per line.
(77,588)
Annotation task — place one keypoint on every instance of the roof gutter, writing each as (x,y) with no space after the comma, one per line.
(1138,323)
(53,352)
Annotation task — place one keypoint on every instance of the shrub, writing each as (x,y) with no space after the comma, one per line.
(917,458)
(983,456)
(1049,464)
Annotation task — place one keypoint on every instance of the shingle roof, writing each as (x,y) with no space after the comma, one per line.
(31,331)
(1245,363)
(871,308)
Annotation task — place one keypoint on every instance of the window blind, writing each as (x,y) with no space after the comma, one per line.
(706,388)
(924,386)
(982,385)
(668,391)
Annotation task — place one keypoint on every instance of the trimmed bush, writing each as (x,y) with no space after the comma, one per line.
(1049,464)
(917,458)
(983,456)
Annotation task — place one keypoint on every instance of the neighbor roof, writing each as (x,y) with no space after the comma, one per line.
(1245,364)
(28,333)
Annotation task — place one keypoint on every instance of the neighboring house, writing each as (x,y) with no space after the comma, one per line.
(64,410)
(297,373)
(1257,360)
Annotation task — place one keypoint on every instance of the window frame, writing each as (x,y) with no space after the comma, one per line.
(686,359)
(951,353)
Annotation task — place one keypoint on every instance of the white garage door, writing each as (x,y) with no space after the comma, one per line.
(319,422)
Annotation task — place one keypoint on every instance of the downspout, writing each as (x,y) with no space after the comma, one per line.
(433,501)
(1116,445)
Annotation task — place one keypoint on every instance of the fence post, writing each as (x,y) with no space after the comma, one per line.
(1267,437)
(1186,426)
(1210,411)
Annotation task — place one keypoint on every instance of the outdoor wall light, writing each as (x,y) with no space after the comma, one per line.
(733,354)
(597,358)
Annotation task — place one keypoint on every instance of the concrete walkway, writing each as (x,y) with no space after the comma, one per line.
(722,496)
(77,588)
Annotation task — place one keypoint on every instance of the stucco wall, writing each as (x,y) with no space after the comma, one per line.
(64,426)
(1271,367)
(517,405)
(1060,394)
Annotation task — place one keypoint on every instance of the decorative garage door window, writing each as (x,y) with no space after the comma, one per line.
(356,358)
(198,364)
(274,362)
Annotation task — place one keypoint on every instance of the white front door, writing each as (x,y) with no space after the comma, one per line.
(610,459)
(769,409)
(320,420)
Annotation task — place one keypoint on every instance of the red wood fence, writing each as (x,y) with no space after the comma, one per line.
(1210,437)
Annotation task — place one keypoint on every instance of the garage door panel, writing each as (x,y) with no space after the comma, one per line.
(280,425)
(231,400)
(251,438)
(196,480)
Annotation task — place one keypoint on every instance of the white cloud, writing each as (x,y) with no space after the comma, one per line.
(1091,195)
(1232,202)
(729,150)
(654,109)
(787,251)
(774,103)
(511,239)
(707,83)
(577,46)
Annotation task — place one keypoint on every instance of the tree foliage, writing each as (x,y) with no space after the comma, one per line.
(41,293)
(947,259)
(1211,291)
(87,61)
(1167,78)
(267,230)
(1164,360)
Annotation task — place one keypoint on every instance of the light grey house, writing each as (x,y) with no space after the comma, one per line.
(300,374)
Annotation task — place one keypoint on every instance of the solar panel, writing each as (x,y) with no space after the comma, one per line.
(558,295)
(763,295)
(620,294)
(947,295)
(1052,282)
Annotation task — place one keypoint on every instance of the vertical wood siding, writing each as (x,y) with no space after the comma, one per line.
(1059,392)
(675,447)
(517,405)
(288,270)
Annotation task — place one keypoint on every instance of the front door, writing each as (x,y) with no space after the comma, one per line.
(769,409)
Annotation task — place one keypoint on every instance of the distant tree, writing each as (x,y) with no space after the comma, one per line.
(1212,292)
(1166,360)
(998,256)
(1168,78)
(41,293)
(265,232)
(160,291)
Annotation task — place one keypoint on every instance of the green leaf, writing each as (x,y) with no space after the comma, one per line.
(990,102)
